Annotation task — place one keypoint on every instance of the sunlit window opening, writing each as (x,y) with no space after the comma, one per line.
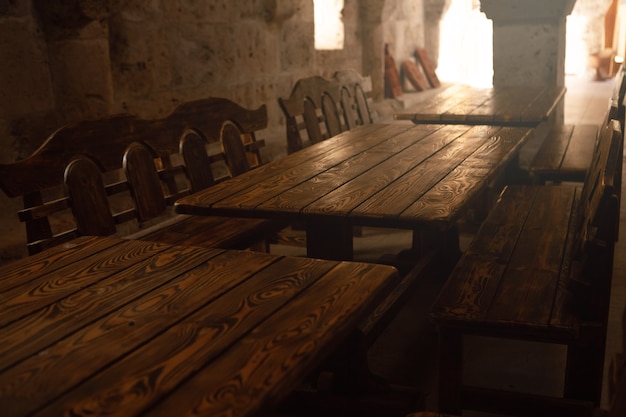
(329,34)
(575,48)
(465,45)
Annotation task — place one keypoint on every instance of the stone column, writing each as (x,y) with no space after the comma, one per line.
(528,40)
(529,43)
(373,49)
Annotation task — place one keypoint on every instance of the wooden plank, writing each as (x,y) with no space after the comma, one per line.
(257,284)
(544,105)
(415,76)
(504,105)
(465,108)
(211,231)
(299,197)
(421,175)
(550,155)
(379,193)
(427,64)
(527,291)
(56,320)
(25,270)
(580,150)
(23,300)
(442,102)
(275,356)
(316,157)
(469,291)
(448,199)
(393,87)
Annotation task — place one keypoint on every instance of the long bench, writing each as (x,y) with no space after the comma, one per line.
(538,269)
(121,175)
(565,154)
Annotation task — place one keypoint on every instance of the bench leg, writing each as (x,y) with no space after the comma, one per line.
(450,370)
(514,174)
(585,365)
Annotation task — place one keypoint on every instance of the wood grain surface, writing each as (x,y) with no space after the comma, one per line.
(503,106)
(395,175)
(131,328)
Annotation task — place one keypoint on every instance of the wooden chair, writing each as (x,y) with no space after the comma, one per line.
(311,112)
(121,175)
(356,97)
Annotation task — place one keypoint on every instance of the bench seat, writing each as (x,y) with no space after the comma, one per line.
(565,154)
(538,269)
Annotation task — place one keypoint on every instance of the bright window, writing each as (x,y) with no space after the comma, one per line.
(465,46)
(328,24)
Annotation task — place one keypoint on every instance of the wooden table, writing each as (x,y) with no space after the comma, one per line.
(504,106)
(386,175)
(131,328)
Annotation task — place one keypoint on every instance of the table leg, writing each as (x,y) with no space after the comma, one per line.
(445,242)
(450,370)
(329,240)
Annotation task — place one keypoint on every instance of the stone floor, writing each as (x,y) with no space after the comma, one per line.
(406,353)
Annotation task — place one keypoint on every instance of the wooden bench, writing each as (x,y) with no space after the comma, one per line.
(538,269)
(319,108)
(565,154)
(121,175)
(616,390)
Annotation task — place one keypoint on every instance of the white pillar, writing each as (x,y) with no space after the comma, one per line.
(528,40)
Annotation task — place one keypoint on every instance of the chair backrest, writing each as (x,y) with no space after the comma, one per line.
(311,112)
(319,108)
(602,182)
(357,103)
(111,175)
(616,103)
(597,224)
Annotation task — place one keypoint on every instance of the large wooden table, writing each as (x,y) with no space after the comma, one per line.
(505,106)
(106,326)
(384,175)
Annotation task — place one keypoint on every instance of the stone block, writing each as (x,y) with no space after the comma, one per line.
(140,58)
(81,70)
(297,40)
(15,8)
(26,86)
(526,55)
(215,11)
(255,52)
(202,54)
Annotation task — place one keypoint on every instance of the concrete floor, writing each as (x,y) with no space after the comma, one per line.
(406,353)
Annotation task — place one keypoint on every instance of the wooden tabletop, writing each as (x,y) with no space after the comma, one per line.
(106,326)
(505,106)
(385,175)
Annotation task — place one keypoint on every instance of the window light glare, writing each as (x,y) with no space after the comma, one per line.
(329,34)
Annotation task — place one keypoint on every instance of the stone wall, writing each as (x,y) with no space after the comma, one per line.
(68,60)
